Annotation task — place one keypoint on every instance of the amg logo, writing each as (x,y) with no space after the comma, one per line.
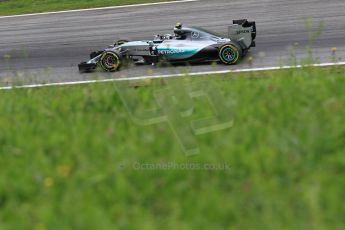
(243,31)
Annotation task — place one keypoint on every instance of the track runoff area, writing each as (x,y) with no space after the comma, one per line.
(169,76)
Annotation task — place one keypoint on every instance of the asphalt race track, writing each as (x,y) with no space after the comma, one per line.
(47,48)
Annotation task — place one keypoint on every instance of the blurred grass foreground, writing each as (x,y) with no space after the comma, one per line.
(251,151)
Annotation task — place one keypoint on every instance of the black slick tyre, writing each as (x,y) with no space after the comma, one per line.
(230,53)
(110,61)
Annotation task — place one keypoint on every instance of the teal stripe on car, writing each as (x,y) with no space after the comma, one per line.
(178,53)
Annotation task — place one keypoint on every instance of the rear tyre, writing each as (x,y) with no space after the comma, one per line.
(230,54)
(110,61)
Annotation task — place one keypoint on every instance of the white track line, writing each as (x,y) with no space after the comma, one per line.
(166,76)
(99,8)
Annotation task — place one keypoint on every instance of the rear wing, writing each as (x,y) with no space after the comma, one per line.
(244,32)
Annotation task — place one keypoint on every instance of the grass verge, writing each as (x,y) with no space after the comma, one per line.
(14,7)
(72,158)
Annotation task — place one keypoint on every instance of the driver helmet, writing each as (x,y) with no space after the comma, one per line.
(178,30)
(178,25)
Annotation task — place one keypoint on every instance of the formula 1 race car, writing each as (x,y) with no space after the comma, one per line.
(188,44)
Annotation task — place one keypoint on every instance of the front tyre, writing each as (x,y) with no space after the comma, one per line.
(110,61)
(230,53)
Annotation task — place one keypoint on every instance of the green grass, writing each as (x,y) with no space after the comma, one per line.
(68,156)
(12,7)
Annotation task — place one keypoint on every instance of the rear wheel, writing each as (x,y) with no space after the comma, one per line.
(230,53)
(110,61)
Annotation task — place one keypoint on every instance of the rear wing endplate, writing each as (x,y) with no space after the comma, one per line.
(244,32)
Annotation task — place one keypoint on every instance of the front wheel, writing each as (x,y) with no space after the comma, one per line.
(230,53)
(110,61)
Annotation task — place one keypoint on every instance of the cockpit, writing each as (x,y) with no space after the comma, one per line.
(188,33)
(193,33)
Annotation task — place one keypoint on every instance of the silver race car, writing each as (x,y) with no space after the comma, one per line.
(188,44)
